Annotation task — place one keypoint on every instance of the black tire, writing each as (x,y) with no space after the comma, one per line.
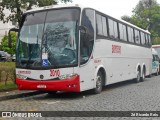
(137,79)
(157,73)
(99,83)
(143,75)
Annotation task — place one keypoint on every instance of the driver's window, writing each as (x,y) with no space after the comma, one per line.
(87,38)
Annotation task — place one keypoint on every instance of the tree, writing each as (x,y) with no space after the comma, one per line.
(146,15)
(18,6)
(4,43)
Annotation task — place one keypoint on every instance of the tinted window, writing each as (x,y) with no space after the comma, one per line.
(104,25)
(136,35)
(122,31)
(113,32)
(99,24)
(142,39)
(147,41)
(87,39)
(130,35)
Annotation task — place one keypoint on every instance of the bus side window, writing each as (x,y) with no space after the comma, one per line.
(101,26)
(122,31)
(113,30)
(147,41)
(137,37)
(142,38)
(130,34)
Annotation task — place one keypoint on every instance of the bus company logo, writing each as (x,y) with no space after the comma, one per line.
(116,49)
(24,72)
(54,72)
(6,114)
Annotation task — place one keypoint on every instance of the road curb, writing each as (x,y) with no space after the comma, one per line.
(20,95)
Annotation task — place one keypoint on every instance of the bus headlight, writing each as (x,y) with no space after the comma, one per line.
(67,76)
(21,76)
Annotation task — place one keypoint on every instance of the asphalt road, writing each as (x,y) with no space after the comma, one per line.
(124,96)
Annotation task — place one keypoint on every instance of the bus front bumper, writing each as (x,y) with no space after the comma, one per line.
(70,85)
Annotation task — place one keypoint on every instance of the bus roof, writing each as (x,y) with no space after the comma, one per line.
(53,6)
(82,7)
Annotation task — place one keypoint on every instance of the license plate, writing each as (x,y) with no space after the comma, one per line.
(41,86)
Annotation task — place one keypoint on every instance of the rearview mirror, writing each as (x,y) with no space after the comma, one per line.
(9,36)
(83,29)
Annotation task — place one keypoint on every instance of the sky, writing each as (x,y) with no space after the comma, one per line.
(115,8)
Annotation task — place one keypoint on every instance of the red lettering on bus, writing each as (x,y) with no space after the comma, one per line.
(54,72)
(24,72)
(116,49)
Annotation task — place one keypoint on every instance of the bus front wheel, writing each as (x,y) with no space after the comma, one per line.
(99,82)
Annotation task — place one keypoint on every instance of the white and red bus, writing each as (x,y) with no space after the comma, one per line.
(157,48)
(104,50)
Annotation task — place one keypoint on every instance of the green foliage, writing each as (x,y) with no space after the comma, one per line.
(146,15)
(7,76)
(156,41)
(18,6)
(5,43)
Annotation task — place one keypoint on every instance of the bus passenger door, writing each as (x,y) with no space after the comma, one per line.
(87,35)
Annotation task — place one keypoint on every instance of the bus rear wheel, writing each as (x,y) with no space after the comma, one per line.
(157,73)
(137,80)
(143,75)
(99,83)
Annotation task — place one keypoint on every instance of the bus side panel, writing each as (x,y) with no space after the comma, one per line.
(121,59)
(86,73)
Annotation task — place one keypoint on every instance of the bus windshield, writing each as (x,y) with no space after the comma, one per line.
(48,39)
(158,50)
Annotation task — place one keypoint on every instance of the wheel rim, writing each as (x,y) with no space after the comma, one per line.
(138,76)
(157,72)
(99,82)
(143,76)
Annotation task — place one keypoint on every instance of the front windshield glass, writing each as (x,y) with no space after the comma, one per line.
(48,39)
(158,51)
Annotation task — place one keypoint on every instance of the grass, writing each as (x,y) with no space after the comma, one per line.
(9,86)
(7,64)
(7,82)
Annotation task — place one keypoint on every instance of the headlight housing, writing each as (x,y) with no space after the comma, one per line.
(21,77)
(67,76)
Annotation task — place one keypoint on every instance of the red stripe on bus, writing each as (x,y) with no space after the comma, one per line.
(70,85)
